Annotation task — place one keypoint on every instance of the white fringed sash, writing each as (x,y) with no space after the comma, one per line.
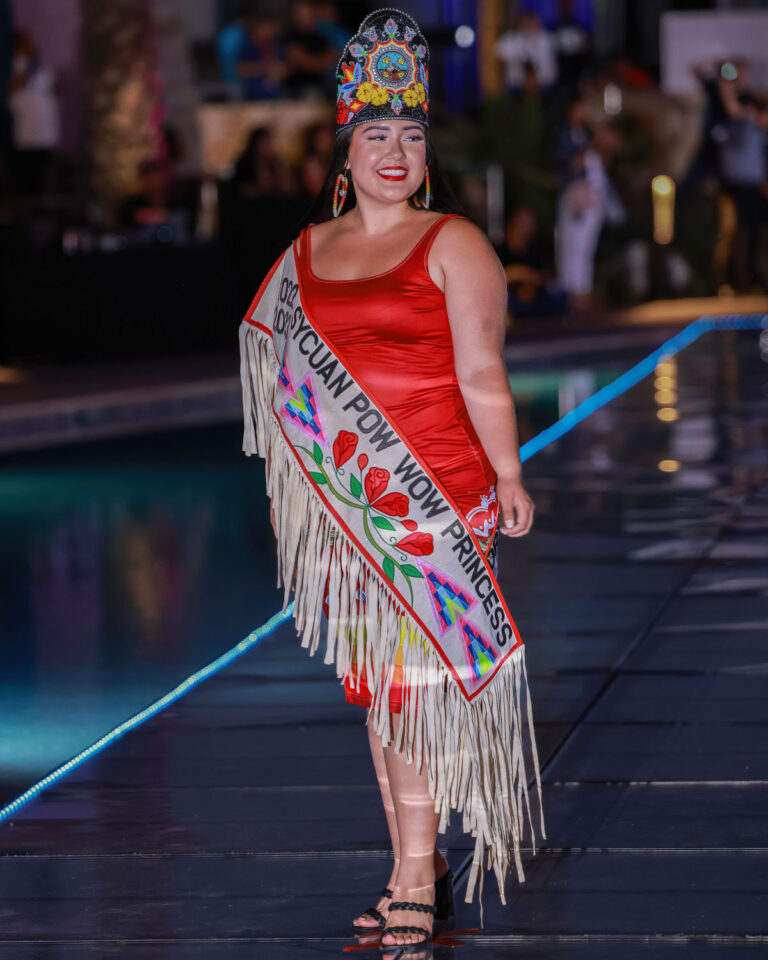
(468,732)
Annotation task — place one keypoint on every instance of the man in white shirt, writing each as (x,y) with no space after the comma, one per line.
(530,43)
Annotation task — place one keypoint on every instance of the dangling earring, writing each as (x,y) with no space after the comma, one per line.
(426,182)
(340,193)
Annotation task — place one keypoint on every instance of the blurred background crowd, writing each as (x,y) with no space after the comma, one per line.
(157,155)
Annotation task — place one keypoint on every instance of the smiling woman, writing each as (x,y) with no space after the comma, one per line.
(418,171)
(374,386)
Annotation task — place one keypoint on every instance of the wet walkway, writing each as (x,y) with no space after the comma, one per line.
(243,821)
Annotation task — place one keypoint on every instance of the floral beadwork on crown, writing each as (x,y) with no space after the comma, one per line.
(384,71)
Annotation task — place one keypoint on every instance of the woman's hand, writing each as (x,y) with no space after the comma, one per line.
(516,507)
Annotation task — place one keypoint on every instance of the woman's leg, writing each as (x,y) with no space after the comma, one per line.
(417,831)
(377,752)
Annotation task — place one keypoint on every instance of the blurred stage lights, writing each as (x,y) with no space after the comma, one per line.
(663,194)
(668,414)
(669,466)
(464,36)
(665,385)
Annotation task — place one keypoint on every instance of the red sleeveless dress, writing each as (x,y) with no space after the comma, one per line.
(392,332)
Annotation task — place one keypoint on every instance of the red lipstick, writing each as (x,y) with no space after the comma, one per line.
(393,172)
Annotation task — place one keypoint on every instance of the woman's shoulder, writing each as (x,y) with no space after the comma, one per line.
(462,253)
(460,237)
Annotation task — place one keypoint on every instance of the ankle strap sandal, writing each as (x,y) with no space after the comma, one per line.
(374,914)
(425,934)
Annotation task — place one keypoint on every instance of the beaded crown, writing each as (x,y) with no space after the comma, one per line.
(383,72)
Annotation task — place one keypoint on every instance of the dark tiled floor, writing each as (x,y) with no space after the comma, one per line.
(244,822)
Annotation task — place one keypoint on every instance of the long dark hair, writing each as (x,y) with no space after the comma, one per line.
(442,198)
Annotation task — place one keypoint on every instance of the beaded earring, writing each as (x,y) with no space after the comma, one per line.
(340,193)
(426,182)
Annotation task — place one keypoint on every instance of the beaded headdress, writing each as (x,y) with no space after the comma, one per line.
(383,72)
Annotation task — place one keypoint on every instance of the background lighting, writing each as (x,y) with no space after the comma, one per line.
(668,414)
(464,36)
(669,466)
(663,193)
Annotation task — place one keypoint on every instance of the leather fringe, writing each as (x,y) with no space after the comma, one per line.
(473,751)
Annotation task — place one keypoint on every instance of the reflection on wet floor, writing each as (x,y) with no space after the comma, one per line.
(127,565)
(243,821)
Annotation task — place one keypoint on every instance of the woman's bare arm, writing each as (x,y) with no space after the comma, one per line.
(476,298)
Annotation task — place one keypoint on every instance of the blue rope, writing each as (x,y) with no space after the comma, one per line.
(637,373)
(618,386)
(224,660)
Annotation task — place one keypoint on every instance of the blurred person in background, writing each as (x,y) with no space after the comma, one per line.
(722,93)
(530,43)
(526,116)
(586,200)
(571,141)
(512,130)
(527,263)
(261,64)
(725,84)
(258,208)
(319,143)
(36,121)
(573,42)
(336,34)
(230,40)
(6,117)
(741,138)
(153,204)
(328,25)
(259,170)
(309,53)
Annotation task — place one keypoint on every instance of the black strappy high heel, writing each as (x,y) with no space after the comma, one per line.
(444,903)
(404,949)
(374,914)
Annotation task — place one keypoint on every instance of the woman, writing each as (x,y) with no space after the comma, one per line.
(374,385)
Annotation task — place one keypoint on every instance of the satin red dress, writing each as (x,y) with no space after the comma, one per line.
(392,332)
